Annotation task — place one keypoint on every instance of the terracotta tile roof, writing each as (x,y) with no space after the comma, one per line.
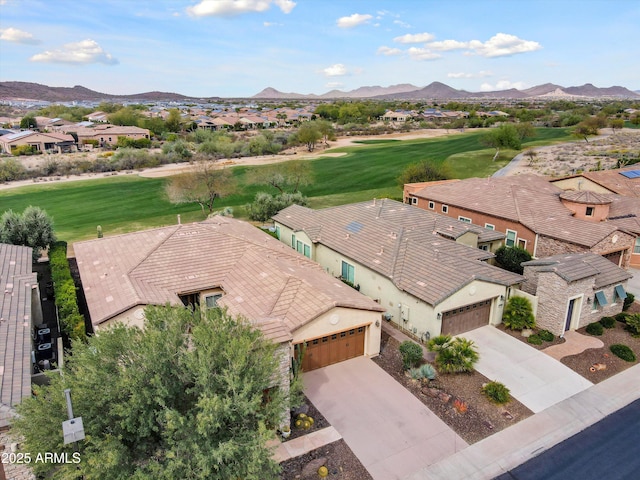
(528,199)
(16,283)
(262,279)
(585,196)
(578,266)
(624,212)
(401,242)
(614,181)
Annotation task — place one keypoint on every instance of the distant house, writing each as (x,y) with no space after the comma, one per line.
(107,134)
(535,214)
(391,116)
(223,262)
(429,272)
(574,290)
(40,142)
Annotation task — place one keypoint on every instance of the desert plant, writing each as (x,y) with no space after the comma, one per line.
(460,406)
(411,354)
(534,339)
(628,301)
(621,317)
(323,471)
(608,322)
(546,335)
(518,314)
(428,371)
(594,328)
(457,356)
(623,352)
(496,392)
(633,324)
(437,343)
(415,373)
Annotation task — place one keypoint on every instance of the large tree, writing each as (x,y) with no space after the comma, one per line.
(423,171)
(33,228)
(504,136)
(183,398)
(203,185)
(286,176)
(309,134)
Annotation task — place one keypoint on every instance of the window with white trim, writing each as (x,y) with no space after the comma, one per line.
(432,205)
(510,239)
(445,208)
(212,300)
(464,219)
(522,243)
(589,212)
(489,226)
(278,232)
(636,248)
(293,241)
(414,201)
(348,272)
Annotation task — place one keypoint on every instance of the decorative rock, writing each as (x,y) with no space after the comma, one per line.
(526,332)
(488,425)
(304,408)
(444,397)
(311,468)
(432,392)
(506,414)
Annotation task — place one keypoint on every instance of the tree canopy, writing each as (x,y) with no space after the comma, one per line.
(510,258)
(33,228)
(203,185)
(504,136)
(183,398)
(424,171)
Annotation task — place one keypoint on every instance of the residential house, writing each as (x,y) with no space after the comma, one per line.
(40,142)
(533,213)
(429,272)
(621,191)
(107,133)
(390,116)
(574,290)
(19,311)
(223,262)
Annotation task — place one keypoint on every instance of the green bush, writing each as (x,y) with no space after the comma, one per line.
(628,301)
(623,352)
(428,371)
(594,328)
(546,335)
(497,392)
(411,354)
(518,314)
(437,343)
(455,356)
(608,322)
(621,317)
(71,322)
(534,339)
(633,324)
(511,258)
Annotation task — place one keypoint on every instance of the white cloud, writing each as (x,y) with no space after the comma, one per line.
(272,24)
(353,20)
(415,38)
(502,45)
(334,85)
(83,52)
(228,8)
(423,54)
(336,70)
(18,36)
(482,74)
(401,24)
(502,85)
(447,45)
(388,51)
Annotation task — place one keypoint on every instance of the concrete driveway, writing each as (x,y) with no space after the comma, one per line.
(390,431)
(534,378)
(633,285)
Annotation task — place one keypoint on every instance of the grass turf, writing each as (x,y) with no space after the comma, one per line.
(128,203)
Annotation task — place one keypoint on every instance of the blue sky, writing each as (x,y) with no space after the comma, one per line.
(235,48)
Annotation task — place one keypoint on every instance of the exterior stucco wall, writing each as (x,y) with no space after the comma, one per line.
(617,241)
(579,183)
(339,319)
(599,212)
(134,317)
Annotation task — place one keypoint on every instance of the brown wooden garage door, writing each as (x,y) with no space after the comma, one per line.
(333,348)
(466,318)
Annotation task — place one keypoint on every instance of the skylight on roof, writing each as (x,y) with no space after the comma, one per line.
(631,173)
(354,227)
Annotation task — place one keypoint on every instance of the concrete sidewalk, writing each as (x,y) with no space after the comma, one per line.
(535,379)
(509,448)
(304,444)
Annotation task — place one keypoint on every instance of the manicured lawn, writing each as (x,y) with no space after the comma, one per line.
(121,204)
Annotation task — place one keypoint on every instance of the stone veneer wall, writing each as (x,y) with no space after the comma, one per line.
(548,246)
(283,353)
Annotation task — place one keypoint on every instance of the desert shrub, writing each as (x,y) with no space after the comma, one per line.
(510,258)
(24,150)
(518,314)
(71,321)
(534,339)
(11,169)
(628,301)
(497,392)
(621,317)
(437,343)
(594,328)
(623,352)
(427,371)
(457,356)
(608,322)
(633,324)
(411,354)
(546,335)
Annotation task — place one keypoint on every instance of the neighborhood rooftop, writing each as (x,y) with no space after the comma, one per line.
(403,243)
(262,280)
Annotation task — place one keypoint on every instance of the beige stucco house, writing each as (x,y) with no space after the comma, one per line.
(227,263)
(574,290)
(38,141)
(429,272)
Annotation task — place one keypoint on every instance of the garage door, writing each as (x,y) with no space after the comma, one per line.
(614,257)
(333,348)
(466,318)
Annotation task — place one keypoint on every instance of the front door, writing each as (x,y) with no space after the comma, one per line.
(567,324)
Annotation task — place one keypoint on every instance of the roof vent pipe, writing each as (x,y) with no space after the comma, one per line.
(179,219)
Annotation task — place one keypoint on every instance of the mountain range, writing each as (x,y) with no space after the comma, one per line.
(433,91)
